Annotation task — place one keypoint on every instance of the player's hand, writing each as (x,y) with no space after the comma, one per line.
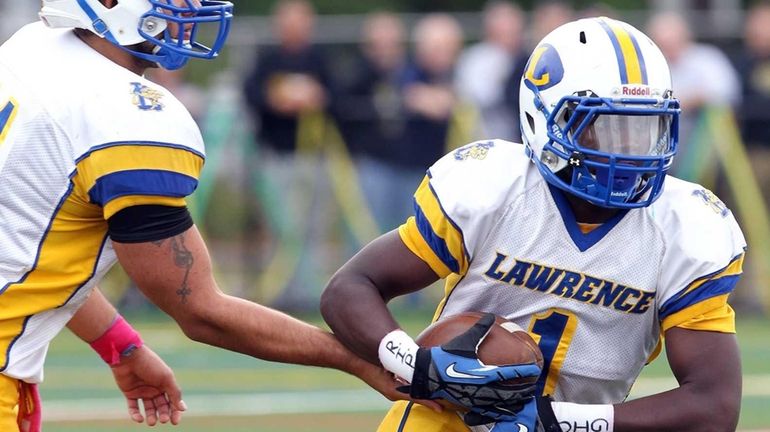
(525,420)
(387,385)
(453,372)
(144,376)
(536,415)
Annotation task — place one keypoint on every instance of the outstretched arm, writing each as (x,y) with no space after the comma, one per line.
(707,366)
(141,376)
(358,293)
(176,275)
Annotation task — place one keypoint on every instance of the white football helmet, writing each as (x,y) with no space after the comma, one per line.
(172,26)
(597,113)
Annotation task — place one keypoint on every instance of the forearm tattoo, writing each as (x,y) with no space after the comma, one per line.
(183,259)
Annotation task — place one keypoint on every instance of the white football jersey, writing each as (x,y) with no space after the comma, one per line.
(81,138)
(595,302)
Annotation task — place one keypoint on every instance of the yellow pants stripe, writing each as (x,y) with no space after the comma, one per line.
(411,417)
(9,404)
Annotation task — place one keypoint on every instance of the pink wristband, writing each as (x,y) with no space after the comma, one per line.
(119,340)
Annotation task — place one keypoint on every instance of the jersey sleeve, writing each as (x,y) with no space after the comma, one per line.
(702,264)
(457,201)
(138,146)
(118,176)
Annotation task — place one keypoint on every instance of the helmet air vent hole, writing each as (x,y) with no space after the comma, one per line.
(583,37)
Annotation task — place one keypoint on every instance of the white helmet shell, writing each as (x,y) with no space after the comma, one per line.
(123,20)
(605,57)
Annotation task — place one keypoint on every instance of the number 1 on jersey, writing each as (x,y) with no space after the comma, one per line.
(7,114)
(553,331)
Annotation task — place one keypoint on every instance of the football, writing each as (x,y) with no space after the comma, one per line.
(506,343)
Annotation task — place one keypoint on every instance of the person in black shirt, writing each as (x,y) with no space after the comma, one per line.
(428,91)
(288,79)
(370,114)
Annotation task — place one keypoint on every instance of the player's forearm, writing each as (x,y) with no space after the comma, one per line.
(358,315)
(708,368)
(249,328)
(93,318)
(175,274)
(684,409)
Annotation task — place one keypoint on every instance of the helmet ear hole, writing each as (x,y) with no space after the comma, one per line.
(583,37)
(531,121)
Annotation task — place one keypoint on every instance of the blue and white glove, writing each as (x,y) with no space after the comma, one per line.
(453,372)
(524,420)
(536,416)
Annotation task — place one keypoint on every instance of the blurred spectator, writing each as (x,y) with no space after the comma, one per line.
(754,67)
(289,83)
(191,95)
(701,74)
(546,17)
(371,117)
(289,79)
(484,69)
(429,97)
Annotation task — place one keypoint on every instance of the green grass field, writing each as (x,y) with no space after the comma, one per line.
(235,393)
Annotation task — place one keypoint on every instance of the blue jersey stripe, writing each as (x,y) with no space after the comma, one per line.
(141,182)
(436,243)
(712,288)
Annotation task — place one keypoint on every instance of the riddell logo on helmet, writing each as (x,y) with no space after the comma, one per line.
(636,91)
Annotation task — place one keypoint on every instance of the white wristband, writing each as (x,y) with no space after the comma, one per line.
(398,353)
(574,417)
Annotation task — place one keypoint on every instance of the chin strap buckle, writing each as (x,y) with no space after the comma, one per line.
(100,27)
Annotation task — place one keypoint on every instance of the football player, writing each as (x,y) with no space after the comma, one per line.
(577,235)
(95,165)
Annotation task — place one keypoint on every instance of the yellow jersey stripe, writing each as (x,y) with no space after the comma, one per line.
(698,309)
(718,320)
(413,240)
(441,225)
(67,257)
(128,157)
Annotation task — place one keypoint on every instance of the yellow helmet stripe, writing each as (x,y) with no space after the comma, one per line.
(630,59)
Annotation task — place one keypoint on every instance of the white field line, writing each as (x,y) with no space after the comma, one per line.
(213,405)
(333,401)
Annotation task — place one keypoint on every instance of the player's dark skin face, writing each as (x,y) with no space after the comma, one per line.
(584,211)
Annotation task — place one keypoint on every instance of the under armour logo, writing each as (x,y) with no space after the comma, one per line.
(576,160)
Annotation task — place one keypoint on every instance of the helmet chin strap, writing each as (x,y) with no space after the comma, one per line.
(168,59)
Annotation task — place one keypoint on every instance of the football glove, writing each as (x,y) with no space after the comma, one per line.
(535,416)
(453,372)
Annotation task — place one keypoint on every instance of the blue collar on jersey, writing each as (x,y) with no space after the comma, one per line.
(582,241)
